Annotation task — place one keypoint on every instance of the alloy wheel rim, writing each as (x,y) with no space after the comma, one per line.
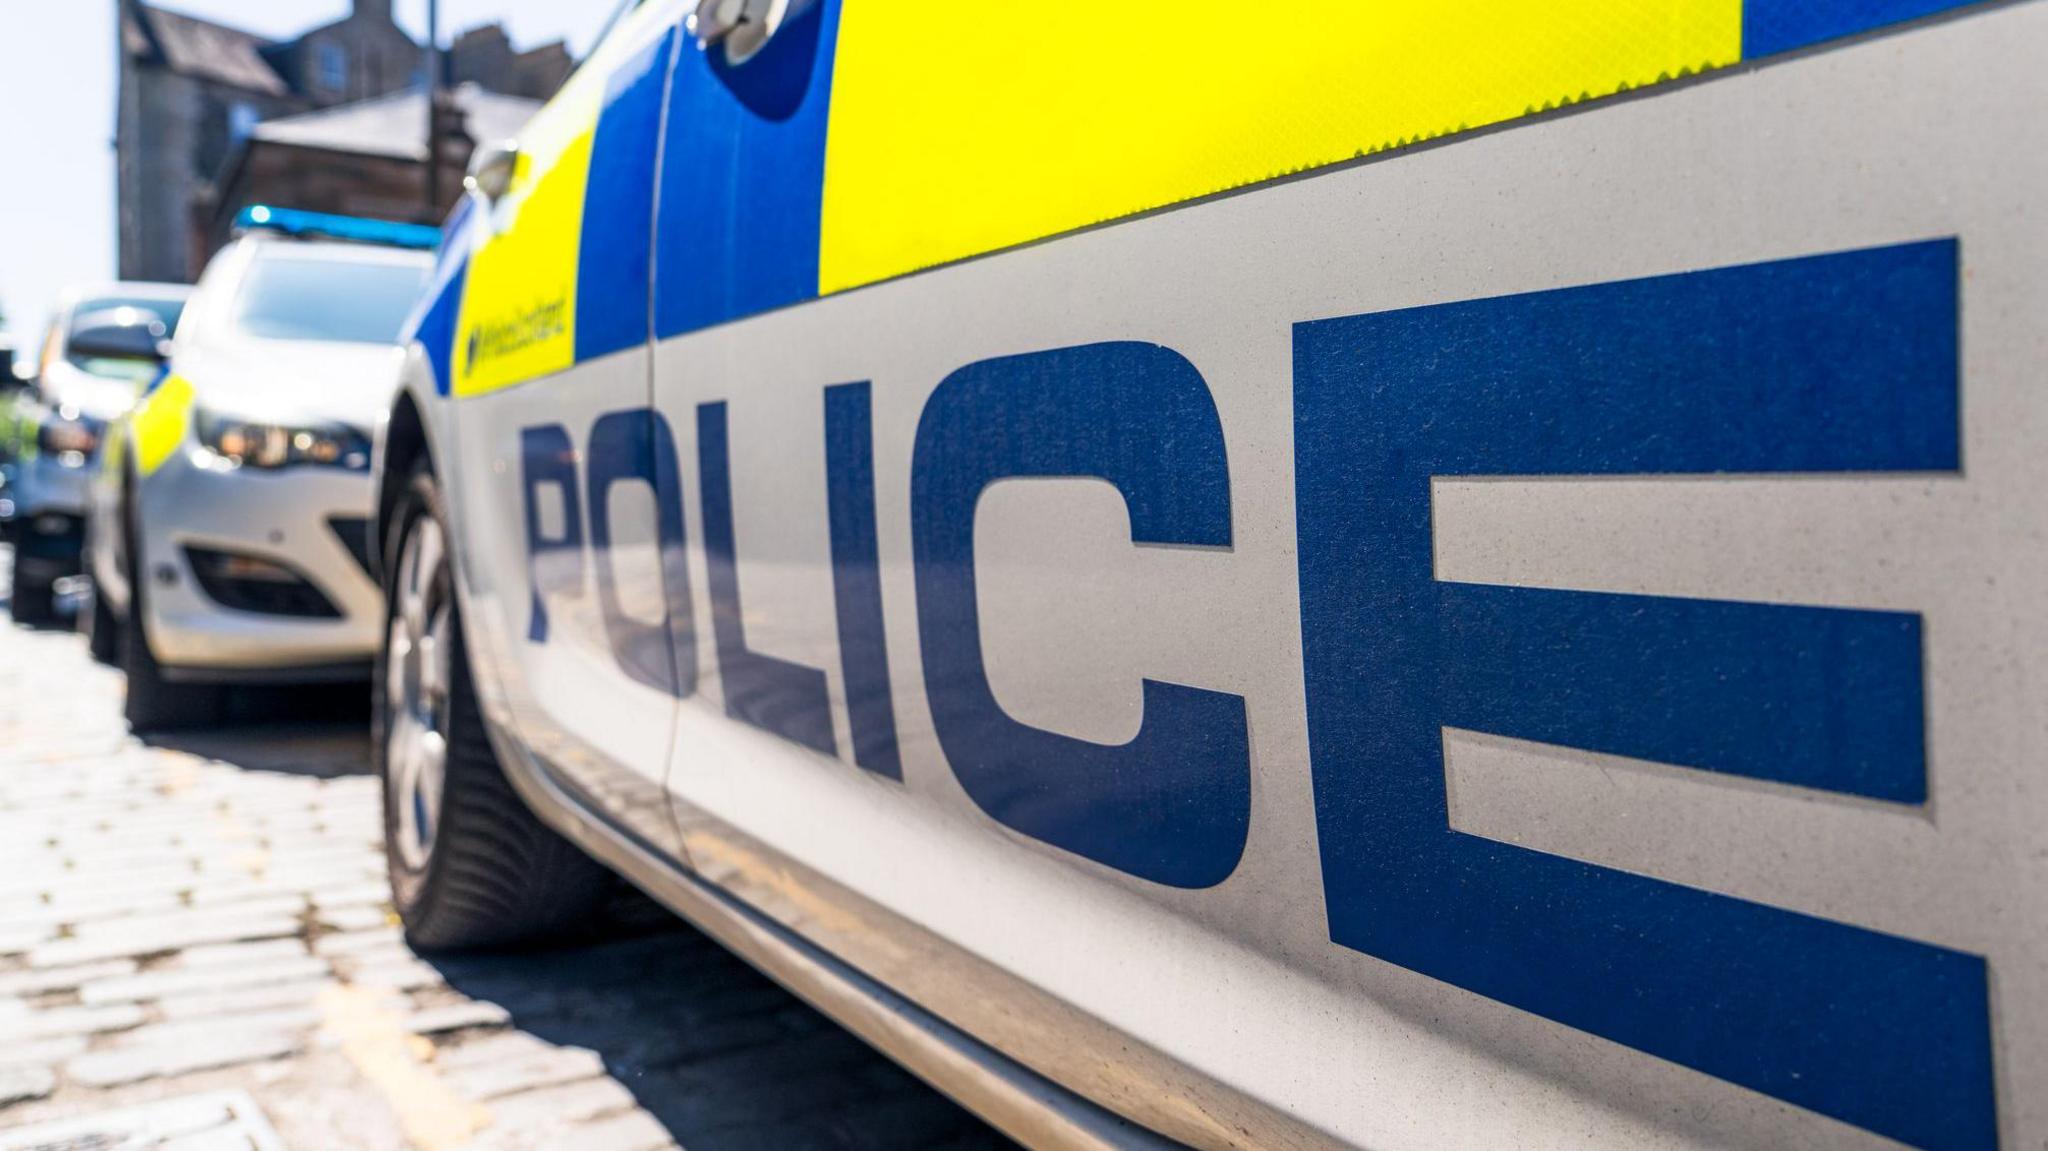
(416,688)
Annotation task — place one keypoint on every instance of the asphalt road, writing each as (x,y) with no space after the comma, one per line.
(205,921)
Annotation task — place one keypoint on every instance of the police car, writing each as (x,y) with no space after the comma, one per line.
(1390,575)
(104,344)
(229,527)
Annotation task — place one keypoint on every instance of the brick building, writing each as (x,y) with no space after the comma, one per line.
(193,94)
(485,56)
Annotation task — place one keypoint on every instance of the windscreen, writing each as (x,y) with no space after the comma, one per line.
(304,296)
(124,369)
(167,311)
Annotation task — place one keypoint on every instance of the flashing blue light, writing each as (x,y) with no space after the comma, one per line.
(321,225)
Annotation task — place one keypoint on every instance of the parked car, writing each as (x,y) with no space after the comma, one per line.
(103,346)
(228,534)
(1398,576)
(15,378)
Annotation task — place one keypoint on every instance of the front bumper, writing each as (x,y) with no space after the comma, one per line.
(46,502)
(48,486)
(51,483)
(48,544)
(199,523)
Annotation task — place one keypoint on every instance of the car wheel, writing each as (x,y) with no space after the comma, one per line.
(34,600)
(471,866)
(155,703)
(102,631)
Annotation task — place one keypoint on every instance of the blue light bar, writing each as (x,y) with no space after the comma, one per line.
(293,222)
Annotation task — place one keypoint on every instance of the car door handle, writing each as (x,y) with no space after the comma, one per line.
(742,27)
(491,169)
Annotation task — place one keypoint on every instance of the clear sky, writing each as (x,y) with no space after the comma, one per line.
(57,79)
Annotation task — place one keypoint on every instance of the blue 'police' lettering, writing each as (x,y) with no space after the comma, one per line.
(637,445)
(1833,364)
(856,578)
(772,694)
(1173,805)
(1839,363)
(554,563)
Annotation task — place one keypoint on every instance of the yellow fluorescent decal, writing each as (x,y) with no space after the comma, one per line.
(158,424)
(959,129)
(518,319)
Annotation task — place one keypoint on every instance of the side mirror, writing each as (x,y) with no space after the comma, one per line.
(491,168)
(118,334)
(742,27)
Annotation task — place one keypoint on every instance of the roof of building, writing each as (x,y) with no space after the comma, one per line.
(202,48)
(396,125)
(191,46)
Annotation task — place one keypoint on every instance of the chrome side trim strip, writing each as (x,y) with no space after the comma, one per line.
(1011,1097)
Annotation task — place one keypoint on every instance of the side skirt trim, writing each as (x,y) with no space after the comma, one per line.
(1009,1096)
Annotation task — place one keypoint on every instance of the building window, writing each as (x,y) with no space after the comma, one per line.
(333,64)
(242,119)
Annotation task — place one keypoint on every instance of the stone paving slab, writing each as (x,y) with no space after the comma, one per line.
(183,1055)
(570,1103)
(360,918)
(225,1120)
(242,1000)
(116,941)
(44,1053)
(457,1017)
(382,939)
(23,1082)
(57,1022)
(174,980)
(551,1068)
(206,921)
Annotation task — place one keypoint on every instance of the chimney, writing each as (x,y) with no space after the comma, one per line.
(377,10)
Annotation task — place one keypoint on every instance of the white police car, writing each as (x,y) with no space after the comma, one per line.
(228,535)
(1178,586)
(103,346)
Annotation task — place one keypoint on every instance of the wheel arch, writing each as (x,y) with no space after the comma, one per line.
(121,534)
(405,447)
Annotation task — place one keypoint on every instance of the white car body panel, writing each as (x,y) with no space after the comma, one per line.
(565,698)
(1226,1015)
(190,502)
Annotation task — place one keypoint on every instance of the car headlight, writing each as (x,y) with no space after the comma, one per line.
(255,444)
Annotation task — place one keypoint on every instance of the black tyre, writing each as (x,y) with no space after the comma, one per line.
(471,866)
(34,599)
(102,631)
(155,703)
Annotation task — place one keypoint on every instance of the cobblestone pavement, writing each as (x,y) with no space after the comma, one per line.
(207,915)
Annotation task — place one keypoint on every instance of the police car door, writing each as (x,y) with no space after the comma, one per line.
(550,373)
(1491,642)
